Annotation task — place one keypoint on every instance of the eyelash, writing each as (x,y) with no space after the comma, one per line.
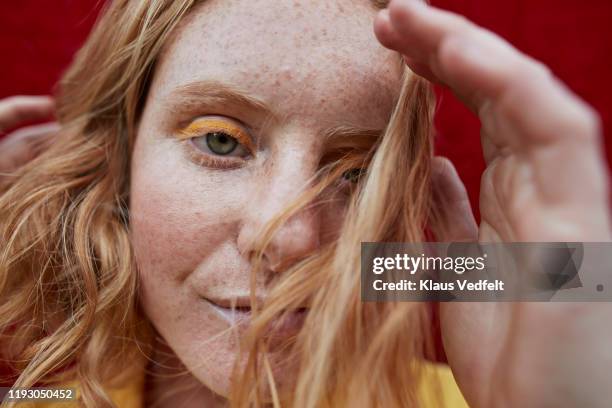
(347,186)
(212,160)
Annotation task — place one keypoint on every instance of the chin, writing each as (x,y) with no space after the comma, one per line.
(212,356)
(216,373)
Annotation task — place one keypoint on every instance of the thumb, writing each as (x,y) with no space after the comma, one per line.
(453,217)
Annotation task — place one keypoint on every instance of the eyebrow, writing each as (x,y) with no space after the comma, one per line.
(210,93)
(342,134)
(196,95)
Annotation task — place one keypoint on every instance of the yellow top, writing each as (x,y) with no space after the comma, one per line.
(447,393)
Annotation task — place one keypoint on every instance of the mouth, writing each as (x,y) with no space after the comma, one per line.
(232,314)
(237,311)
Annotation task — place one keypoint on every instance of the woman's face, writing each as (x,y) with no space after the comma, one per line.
(237,120)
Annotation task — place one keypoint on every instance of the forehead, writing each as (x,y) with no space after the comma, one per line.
(299,56)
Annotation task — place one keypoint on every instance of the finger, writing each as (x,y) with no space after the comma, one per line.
(384,31)
(35,132)
(20,109)
(392,39)
(23,145)
(433,37)
(421,69)
(453,204)
(402,27)
(489,75)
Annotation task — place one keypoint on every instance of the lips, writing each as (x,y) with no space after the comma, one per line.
(234,315)
(237,311)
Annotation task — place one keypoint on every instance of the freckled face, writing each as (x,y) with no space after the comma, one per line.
(232,130)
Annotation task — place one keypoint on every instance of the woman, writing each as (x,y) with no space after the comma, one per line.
(219,163)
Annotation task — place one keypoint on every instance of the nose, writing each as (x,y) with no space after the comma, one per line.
(292,240)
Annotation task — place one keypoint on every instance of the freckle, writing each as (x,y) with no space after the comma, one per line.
(286,72)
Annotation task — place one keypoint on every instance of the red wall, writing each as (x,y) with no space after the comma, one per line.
(38,39)
(573,37)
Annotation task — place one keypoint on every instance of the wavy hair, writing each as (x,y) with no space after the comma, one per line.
(68,282)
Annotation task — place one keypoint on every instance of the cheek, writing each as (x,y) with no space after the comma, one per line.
(169,234)
(178,212)
(180,219)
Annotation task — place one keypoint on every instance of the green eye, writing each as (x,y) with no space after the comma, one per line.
(353,175)
(221,143)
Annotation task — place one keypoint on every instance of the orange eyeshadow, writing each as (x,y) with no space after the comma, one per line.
(202,126)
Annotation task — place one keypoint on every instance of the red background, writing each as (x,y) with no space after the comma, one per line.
(38,40)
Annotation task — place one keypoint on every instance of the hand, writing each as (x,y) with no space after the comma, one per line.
(21,146)
(545,180)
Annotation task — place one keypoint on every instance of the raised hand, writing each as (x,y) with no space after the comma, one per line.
(545,180)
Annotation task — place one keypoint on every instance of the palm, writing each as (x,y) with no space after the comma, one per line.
(543,192)
(479,342)
(501,351)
